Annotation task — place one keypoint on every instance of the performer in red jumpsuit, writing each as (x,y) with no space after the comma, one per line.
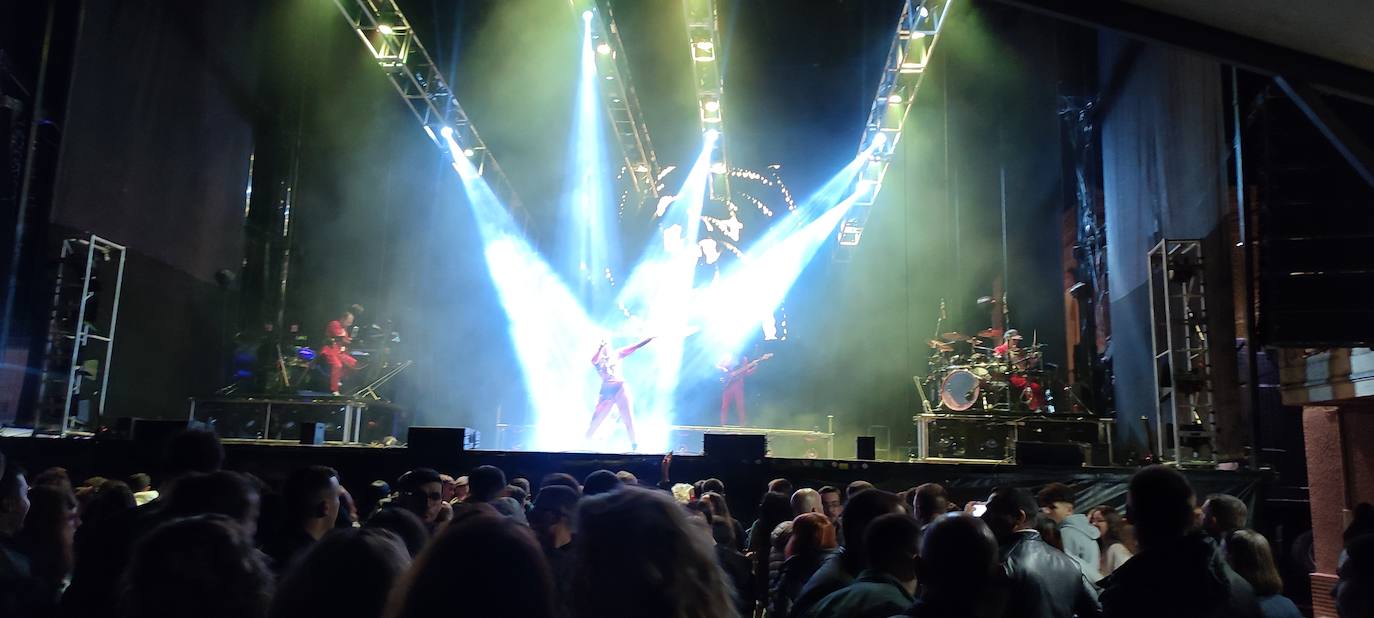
(335,351)
(733,393)
(614,391)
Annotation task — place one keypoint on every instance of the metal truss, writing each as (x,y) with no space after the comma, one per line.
(390,38)
(638,161)
(703,38)
(918,29)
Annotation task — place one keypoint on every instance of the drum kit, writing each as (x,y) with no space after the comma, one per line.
(969,374)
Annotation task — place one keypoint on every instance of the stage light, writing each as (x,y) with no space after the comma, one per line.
(386,29)
(718,168)
(712,135)
(704,45)
(894,99)
(712,106)
(603,49)
(468,152)
(642,168)
(923,12)
(447,132)
(879,140)
(587,16)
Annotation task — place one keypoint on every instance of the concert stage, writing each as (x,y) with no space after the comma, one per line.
(744,479)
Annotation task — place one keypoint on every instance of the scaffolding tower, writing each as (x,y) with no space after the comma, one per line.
(1185,419)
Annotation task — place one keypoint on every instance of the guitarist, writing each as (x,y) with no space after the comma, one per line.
(733,379)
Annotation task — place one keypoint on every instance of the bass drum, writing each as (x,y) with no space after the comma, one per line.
(960,389)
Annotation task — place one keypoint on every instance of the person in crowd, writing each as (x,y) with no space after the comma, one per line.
(636,555)
(930,501)
(420,491)
(552,522)
(110,500)
(449,487)
(846,564)
(489,562)
(193,450)
(600,482)
(404,524)
(774,509)
(721,510)
(1354,591)
(1223,514)
(17,587)
(310,508)
(522,483)
(1041,581)
(224,493)
(349,572)
(519,495)
(957,570)
(626,477)
(47,540)
(1177,571)
(1079,537)
(203,566)
(782,486)
(348,511)
(712,484)
(1117,538)
(806,500)
(487,485)
(55,476)
(736,566)
(831,503)
(561,478)
(856,487)
(886,585)
(777,557)
(142,486)
(682,492)
(811,543)
(1249,555)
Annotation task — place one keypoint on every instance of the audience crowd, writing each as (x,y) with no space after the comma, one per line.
(212,543)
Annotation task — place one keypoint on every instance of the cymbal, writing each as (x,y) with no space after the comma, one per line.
(954,336)
(940,345)
(990,332)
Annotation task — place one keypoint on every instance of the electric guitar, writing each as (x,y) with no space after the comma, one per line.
(738,373)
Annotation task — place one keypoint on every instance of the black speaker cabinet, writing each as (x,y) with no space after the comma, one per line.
(1068,454)
(441,439)
(866,447)
(734,447)
(312,433)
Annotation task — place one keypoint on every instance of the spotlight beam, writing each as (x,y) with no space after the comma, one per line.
(587,228)
(703,40)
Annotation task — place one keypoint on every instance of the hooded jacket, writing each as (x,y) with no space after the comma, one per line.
(1186,578)
(1080,542)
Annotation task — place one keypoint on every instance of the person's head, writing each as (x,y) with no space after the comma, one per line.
(14,500)
(712,484)
(140,482)
(1159,503)
(561,478)
(1109,524)
(55,476)
(311,498)
(1222,513)
(892,541)
(637,555)
(718,506)
(682,492)
(223,493)
(600,482)
(774,508)
(806,500)
(930,501)
(552,515)
(782,486)
(50,529)
(350,572)
(831,503)
(811,533)
(863,508)
(1056,502)
(486,483)
(1354,592)
(958,558)
(196,566)
(346,317)
(856,487)
(403,523)
(522,483)
(517,493)
(490,562)
(627,478)
(112,498)
(194,450)
(447,486)
(1248,554)
(1010,509)
(461,489)
(421,492)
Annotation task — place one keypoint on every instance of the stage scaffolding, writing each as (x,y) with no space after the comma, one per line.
(918,28)
(390,38)
(703,40)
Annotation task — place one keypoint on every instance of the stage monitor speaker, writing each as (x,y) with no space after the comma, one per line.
(866,447)
(312,433)
(734,447)
(1066,454)
(441,439)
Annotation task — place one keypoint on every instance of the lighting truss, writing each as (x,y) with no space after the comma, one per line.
(703,39)
(618,92)
(918,29)
(391,40)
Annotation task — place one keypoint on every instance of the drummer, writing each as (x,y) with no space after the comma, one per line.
(1010,348)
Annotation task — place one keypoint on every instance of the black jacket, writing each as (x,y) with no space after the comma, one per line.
(1187,578)
(794,574)
(1043,582)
